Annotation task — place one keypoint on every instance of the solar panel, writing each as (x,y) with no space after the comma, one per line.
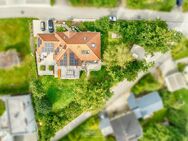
(48,47)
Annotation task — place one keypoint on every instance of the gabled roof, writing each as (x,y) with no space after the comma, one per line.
(48,37)
(126,127)
(145,105)
(77,42)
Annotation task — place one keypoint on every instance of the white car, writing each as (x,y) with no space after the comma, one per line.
(113,18)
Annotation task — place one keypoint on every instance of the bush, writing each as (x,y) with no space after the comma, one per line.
(60,29)
(42,67)
(96,3)
(181,67)
(52,2)
(2,107)
(146,84)
(162,5)
(51,68)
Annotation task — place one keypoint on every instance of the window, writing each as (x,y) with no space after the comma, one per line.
(39,42)
(48,47)
(57,51)
(73,61)
(85,52)
(63,62)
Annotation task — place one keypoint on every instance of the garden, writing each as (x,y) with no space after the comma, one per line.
(57,102)
(15,35)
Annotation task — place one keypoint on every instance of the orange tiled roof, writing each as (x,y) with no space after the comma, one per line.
(48,37)
(77,41)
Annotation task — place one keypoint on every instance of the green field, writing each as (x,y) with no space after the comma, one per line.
(161,5)
(15,34)
(94,3)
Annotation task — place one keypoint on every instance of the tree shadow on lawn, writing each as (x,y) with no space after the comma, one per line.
(59,98)
(21,48)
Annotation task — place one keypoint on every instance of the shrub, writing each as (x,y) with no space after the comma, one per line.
(51,68)
(52,2)
(42,67)
(2,107)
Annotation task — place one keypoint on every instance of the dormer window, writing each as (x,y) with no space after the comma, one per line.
(85,52)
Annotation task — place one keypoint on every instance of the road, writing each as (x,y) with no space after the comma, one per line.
(175,19)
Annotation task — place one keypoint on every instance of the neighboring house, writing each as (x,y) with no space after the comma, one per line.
(18,121)
(145,106)
(65,54)
(124,127)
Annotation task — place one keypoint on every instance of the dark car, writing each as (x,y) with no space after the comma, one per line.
(179,2)
(50,26)
(42,26)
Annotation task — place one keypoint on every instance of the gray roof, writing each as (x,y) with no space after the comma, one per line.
(145,105)
(105,125)
(126,127)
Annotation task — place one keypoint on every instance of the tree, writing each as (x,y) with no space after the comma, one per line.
(117,55)
(154,36)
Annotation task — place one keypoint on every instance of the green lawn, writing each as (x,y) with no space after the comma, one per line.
(15,34)
(161,5)
(94,3)
(2,107)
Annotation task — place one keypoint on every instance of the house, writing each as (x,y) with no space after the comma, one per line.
(124,127)
(145,106)
(65,54)
(18,121)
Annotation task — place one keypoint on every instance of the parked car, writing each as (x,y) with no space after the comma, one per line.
(179,2)
(50,26)
(42,26)
(113,18)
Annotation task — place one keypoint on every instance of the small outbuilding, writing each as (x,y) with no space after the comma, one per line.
(175,81)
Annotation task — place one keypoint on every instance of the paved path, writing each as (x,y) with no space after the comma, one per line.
(69,127)
(121,91)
